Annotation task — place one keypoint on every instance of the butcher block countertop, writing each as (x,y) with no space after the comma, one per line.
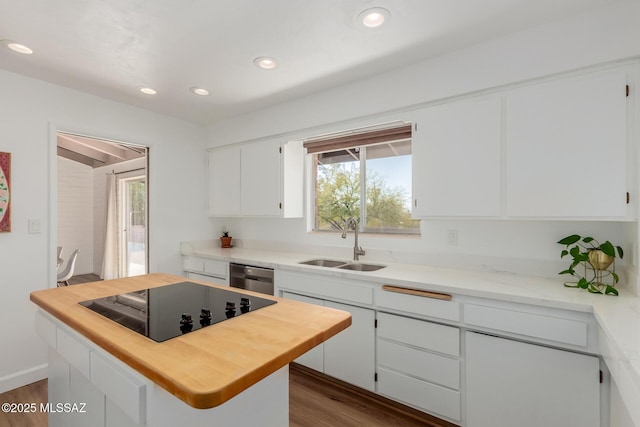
(209,366)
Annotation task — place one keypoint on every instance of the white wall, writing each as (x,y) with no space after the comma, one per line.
(599,36)
(31,112)
(75,213)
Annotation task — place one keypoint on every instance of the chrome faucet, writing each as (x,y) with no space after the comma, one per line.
(357,250)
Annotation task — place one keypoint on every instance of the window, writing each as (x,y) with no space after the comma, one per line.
(365,175)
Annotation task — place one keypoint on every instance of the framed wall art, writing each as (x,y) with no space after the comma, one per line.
(5,192)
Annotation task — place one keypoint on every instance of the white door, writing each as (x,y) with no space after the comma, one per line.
(567,148)
(133,218)
(260,189)
(350,355)
(457,159)
(510,383)
(313,358)
(224,181)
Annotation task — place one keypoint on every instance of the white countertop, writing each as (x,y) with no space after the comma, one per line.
(619,317)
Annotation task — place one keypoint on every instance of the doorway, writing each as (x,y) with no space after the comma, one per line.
(133,217)
(102,206)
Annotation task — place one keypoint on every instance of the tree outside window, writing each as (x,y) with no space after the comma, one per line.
(371,183)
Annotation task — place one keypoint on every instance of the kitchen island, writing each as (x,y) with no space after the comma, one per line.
(233,371)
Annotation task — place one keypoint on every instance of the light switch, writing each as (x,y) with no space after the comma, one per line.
(34,226)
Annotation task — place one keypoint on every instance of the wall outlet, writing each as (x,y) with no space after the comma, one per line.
(452,237)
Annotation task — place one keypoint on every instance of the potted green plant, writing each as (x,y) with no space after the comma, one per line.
(599,256)
(225,239)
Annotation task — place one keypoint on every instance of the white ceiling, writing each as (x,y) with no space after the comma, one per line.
(112,48)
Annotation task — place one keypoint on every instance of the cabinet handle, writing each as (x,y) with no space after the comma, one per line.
(417,292)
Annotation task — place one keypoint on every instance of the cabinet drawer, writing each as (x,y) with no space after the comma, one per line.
(333,288)
(420,333)
(210,267)
(434,368)
(46,329)
(530,324)
(127,392)
(215,267)
(448,310)
(190,263)
(76,353)
(208,279)
(421,394)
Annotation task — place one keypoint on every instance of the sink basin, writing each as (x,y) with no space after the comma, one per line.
(361,267)
(324,262)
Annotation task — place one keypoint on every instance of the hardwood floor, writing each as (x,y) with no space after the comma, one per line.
(315,400)
(32,393)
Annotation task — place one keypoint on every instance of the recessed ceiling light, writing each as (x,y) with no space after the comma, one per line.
(265,62)
(374,17)
(17,47)
(199,91)
(148,91)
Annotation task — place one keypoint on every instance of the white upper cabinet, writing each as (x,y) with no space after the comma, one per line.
(260,189)
(224,181)
(566,148)
(257,179)
(456,152)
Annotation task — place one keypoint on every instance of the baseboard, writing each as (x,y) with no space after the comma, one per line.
(22,378)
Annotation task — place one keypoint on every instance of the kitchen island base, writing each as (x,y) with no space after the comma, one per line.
(89,387)
(234,371)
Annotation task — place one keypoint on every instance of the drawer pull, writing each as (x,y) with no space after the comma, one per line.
(417,292)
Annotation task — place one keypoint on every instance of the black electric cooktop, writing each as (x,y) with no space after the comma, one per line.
(169,311)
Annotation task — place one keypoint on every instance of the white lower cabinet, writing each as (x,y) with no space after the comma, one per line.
(511,383)
(313,358)
(440,401)
(350,355)
(471,361)
(83,392)
(418,364)
(105,392)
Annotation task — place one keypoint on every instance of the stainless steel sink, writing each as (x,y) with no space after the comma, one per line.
(354,266)
(361,267)
(324,262)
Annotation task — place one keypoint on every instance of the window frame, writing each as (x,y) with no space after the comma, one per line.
(313,223)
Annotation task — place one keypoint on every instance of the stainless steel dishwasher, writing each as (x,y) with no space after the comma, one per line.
(257,279)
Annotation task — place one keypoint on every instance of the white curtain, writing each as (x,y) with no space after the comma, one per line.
(110,261)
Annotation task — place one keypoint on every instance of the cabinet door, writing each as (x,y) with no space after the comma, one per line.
(313,358)
(510,383)
(456,152)
(260,179)
(567,148)
(82,391)
(224,182)
(58,388)
(350,355)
